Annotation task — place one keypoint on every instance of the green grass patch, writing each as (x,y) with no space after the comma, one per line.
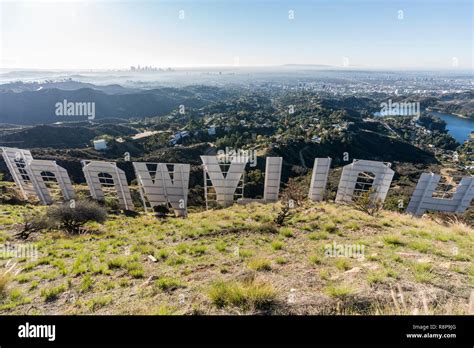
(168,284)
(246,295)
(318,235)
(221,246)
(286,232)
(86,283)
(393,241)
(343,264)
(338,291)
(260,264)
(330,227)
(99,302)
(51,294)
(315,260)
(277,245)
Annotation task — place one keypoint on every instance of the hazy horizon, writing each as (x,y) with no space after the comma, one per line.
(110,35)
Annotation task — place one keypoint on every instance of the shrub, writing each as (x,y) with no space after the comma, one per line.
(5,278)
(367,204)
(73,217)
(33,223)
(15,295)
(292,197)
(11,195)
(161,211)
(295,191)
(111,203)
(137,273)
(283,215)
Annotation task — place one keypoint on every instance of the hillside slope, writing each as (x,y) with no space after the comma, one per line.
(236,261)
(38,107)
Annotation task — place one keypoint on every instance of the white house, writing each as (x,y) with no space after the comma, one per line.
(211,131)
(100,144)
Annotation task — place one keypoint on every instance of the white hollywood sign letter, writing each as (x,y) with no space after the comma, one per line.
(16,160)
(272,182)
(380,176)
(422,198)
(100,173)
(224,186)
(158,187)
(42,172)
(319,178)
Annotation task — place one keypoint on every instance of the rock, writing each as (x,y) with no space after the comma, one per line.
(423,260)
(152,258)
(409,254)
(354,270)
(445,265)
(371,266)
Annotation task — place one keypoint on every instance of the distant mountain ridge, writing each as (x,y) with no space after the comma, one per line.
(38,107)
(66,85)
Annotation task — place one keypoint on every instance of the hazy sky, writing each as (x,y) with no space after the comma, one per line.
(118,34)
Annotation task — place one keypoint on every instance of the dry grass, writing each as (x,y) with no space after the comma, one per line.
(4,280)
(203,262)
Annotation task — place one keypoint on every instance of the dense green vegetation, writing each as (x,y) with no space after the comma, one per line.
(298,126)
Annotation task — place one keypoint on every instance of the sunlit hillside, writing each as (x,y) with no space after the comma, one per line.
(238,261)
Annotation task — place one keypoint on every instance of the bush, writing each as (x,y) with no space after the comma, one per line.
(161,211)
(366,203)
(73,217)
(33,223)
(292,197)
(11,195)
